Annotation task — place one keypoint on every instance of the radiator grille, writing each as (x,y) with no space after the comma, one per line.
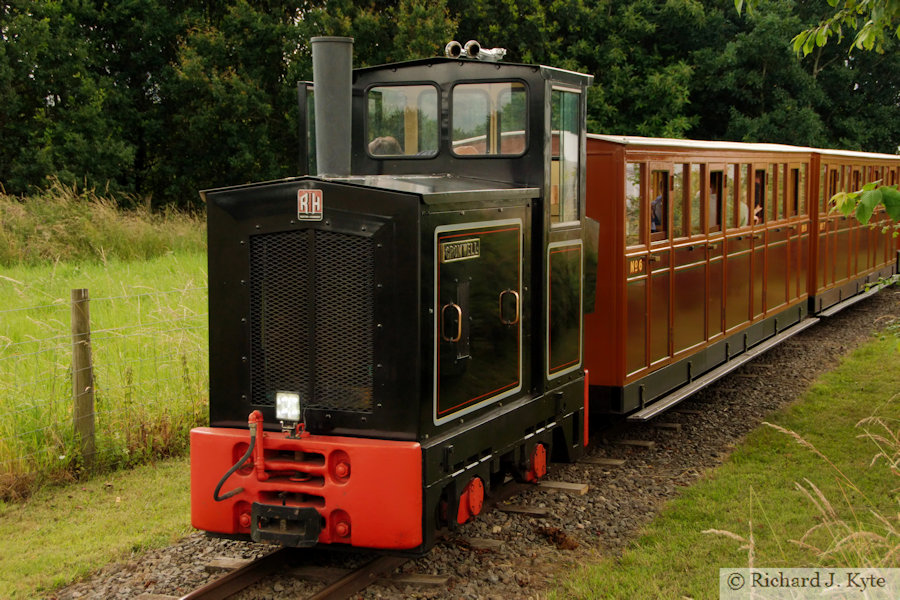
(312,318)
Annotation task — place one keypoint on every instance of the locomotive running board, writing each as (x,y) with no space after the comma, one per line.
(876,287)
(667,402)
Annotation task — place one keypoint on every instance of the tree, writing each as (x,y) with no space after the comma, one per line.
(641,84)
(748,86)
(159,98)
(57,100)
(869,18)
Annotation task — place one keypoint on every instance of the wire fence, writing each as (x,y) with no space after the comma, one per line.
(149,380)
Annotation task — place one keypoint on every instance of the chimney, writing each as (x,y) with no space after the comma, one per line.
(332,86)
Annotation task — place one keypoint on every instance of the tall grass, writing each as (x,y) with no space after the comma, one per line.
(63,223)
(146,274)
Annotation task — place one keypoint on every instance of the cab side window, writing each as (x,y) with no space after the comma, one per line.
(565,125)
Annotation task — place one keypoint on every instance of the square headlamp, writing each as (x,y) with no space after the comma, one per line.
(287,406)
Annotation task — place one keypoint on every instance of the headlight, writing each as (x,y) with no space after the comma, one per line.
(287,406)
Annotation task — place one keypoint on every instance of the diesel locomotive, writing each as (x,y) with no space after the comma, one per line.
(469,275)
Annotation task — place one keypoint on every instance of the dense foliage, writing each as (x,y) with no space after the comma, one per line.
(161,99)
(869,21)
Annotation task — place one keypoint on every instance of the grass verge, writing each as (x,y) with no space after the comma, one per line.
(62,533)
(755,496)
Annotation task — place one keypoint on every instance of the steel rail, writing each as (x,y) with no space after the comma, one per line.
(241,578)
(358,579)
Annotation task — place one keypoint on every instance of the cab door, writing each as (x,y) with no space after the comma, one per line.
(479,300)
(564,254)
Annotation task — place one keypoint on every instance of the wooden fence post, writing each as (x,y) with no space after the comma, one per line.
(83,375)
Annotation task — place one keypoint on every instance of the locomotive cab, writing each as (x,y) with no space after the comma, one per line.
(390,339)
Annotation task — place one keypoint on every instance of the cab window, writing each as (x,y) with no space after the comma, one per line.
(565,125)
(402,120)
(488,119)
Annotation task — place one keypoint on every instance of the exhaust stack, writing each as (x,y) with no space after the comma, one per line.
(332,85)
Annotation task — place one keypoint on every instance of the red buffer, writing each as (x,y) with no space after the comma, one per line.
(318,489)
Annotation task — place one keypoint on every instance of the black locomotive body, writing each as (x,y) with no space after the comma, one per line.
(404,335)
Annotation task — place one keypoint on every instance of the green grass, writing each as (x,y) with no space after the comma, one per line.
(62,533)
(755,492)
(150,354)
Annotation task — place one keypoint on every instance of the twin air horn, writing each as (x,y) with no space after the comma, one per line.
(473,50)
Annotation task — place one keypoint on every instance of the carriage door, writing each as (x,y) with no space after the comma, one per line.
(479,301)
(662,189)
(564,258)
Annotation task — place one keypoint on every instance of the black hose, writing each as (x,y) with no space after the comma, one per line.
(234,468)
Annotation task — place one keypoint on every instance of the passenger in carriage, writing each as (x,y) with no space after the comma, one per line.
(759,196)
(656,214)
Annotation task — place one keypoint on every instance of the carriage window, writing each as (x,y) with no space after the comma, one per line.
(696,208)
(731,203)
(678,210)
(659,206)
(633,231)
(857,183)
(771,198)
(801,191)
(714,202)
(793,192)
(488,119)
(759,196)
(402,120)
(779,184)
(744,196)
(834,184)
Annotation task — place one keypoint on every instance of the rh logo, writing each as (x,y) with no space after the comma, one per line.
(309,205)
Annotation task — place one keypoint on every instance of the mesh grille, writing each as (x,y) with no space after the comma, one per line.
(323,347)
(279,316)
(344,318)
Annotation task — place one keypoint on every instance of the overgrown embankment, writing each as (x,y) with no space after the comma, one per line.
(64,224)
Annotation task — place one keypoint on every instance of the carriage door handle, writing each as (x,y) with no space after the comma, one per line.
(515,318)
(455,337)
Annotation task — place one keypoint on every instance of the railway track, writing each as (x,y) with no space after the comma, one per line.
(344,586)
(340,583)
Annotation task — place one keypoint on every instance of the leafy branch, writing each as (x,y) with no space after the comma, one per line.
(862,203)
(869,18)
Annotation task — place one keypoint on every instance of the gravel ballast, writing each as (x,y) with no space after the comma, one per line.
(621,499)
